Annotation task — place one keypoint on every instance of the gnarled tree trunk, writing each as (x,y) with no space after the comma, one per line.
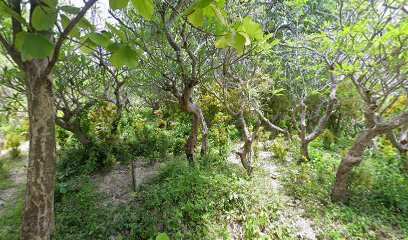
(76,130)
(352,159)
(38,219)
(187,104)
(245,152)
(355,155)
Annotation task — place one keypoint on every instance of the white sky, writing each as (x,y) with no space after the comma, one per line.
(102,7)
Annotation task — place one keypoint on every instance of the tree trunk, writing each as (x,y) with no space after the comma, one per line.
(187,103)
(245,154)
(76,130)
(352,159)
(192,140)
(38,218)
(83,139)
(304,150)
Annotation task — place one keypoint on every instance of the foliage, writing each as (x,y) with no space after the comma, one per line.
(378,200)
(327,138)
(10,217)
(80,213)
(13,141)
(280,147)
(4,173)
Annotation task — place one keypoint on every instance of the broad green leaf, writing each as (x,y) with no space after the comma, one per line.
(12,13)
(117,32)
(99,39)
(247,38)
(34,45)
(197,17)
(124,56)
(218,14)
(85,24)
(221,42)
(202,3)
(235,40)
(88,46)
(144,7)
(252,28)
(65,21)
(70,9)
(118,4)
(220,3)
(19,41)
(50,3)
(43,18)
(113,47)
(162,236)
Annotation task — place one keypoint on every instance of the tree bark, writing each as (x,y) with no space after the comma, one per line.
(245,155)
(352,159)
(38,219)
(304,151)
(355,155)
(76,130)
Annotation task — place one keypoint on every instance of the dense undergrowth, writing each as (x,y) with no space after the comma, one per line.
(378,205)
(215,199)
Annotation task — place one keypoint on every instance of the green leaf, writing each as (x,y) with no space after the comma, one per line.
(99,39)
(88,46)
(4,8)
(124,56)
(65,21)
(218,14)
(117,32)
(235,40)
(50,3)
(202,3)
(162,236)
(221,42)
(19,41)
(252,28)
(85,24)
(33,45)
(43,18)
(144,7)
(197,17)
(113,47)
(118,4)
(70,9)
(247,38)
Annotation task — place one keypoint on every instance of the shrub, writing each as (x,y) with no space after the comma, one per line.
(279,147)
(13,141)
(327,138)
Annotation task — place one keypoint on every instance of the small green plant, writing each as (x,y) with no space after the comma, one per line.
(327,138)
(279,147)
(3,172)
(13,141)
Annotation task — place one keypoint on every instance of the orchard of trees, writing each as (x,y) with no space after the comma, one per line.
(248,114)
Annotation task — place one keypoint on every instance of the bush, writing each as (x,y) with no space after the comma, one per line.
(279,147)
(185,201)
(13,141)
(327,138)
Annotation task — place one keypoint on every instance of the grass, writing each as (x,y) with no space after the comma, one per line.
(10,217)
(378,204)
(216,200)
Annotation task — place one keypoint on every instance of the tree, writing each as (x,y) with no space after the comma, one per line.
(374,40)
(30,44)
